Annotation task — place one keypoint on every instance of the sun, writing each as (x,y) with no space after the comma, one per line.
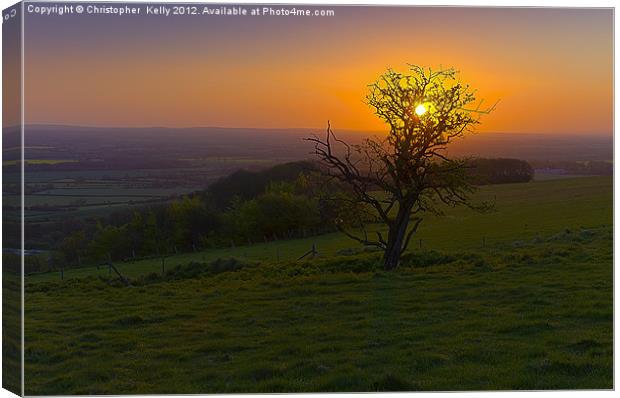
(420,110)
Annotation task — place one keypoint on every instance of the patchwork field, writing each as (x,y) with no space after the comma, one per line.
(66,194)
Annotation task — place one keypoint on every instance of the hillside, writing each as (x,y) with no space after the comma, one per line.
(532,315)
(518,299)
(522,211)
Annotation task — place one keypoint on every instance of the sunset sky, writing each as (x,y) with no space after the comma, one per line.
(551,69)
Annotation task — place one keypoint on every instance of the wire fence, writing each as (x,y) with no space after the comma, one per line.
(309,249)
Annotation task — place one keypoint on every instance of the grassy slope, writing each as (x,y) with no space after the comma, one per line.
(522,212)
(530,315)
(11,329)
(525,312)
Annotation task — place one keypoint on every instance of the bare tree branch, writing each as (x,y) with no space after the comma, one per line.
(408,172)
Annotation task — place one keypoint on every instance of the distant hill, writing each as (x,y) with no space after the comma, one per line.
(537,146)
(248,184)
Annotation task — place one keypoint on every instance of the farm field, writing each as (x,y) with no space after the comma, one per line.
(65,194)
(39,161)
(537,315)
(522,212)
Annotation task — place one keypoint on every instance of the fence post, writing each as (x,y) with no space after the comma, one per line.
(420,243)
(163,265)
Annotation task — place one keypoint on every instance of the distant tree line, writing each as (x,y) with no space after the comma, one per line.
(499,171)
(281,202)
(591,167)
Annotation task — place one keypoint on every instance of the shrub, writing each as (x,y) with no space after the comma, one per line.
(426,259)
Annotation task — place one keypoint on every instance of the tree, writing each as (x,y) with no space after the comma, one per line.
(109,243)
(136,229)
(157,231)
(500,171)
(191,220)
(398,179)
(277,212)
(74,247)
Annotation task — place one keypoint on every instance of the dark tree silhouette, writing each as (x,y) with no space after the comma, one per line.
(500,171)
(398,179)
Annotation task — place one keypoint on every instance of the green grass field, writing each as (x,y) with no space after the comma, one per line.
(533,309)
(39,161)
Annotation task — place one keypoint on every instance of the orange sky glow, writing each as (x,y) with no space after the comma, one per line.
(551,69)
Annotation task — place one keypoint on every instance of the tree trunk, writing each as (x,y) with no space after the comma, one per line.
(391,257)
(396,236)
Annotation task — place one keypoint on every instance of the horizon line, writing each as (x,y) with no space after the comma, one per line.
(61,125)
